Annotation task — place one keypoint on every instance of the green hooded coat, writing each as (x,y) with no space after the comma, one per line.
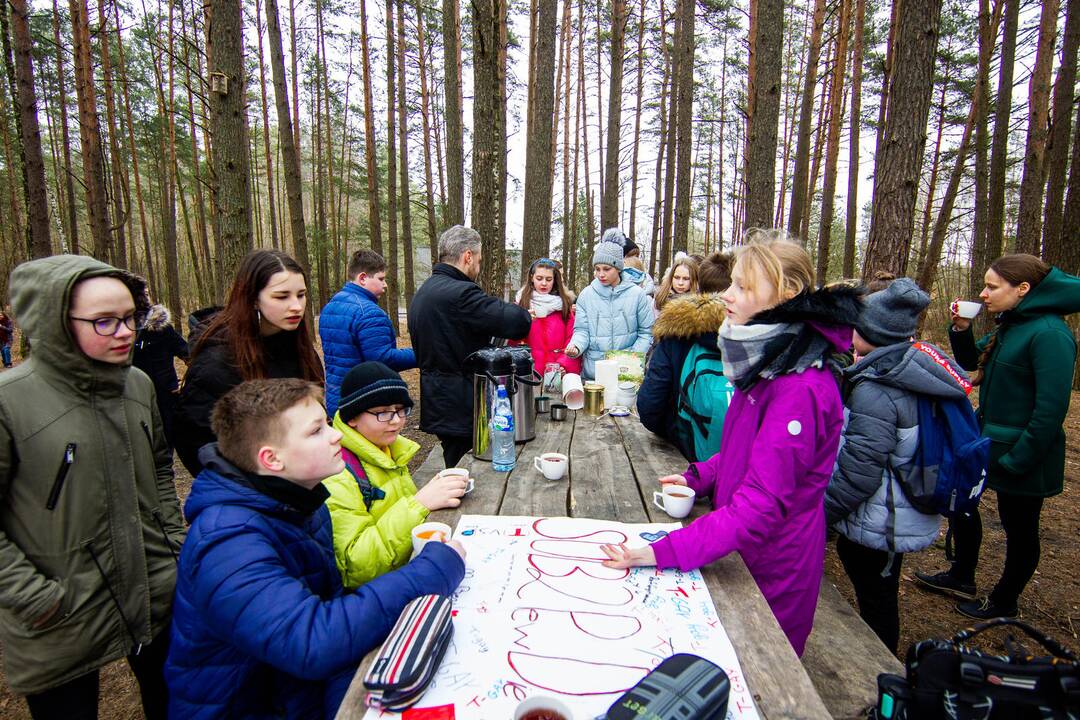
(106,550)
(1026,386)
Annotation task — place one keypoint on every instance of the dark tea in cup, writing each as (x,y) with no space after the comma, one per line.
(543,714)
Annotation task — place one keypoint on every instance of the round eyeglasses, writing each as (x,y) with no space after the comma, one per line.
(107,326)
(388,415)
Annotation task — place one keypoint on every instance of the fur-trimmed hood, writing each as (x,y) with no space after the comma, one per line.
(689,316)
(157,318)
(832,310)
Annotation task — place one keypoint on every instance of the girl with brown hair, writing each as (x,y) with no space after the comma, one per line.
(680,279)
(1024,370)
(261,333)
(551,309)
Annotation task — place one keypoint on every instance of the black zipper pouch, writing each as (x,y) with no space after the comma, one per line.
(682,687)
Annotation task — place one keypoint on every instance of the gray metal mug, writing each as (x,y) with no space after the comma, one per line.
(543,404)
(558,412)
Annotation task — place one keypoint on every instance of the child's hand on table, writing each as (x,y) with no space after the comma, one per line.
(673,480)
(621,557)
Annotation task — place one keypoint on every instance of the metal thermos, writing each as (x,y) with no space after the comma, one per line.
(594,399)
(490,368)
(523,402)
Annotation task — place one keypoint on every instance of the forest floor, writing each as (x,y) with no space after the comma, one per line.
(1051,601)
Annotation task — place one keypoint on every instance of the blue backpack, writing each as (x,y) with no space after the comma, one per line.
(704,396)
(948,473)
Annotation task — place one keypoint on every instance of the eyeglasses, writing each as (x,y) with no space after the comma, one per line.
(388,415)
(107,326)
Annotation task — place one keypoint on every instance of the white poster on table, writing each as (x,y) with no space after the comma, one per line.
(537,614)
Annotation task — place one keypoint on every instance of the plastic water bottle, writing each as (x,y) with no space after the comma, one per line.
(503,453)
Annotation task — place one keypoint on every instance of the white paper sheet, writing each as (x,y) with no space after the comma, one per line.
(537,614)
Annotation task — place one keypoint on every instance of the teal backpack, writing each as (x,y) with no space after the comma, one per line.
(704,396)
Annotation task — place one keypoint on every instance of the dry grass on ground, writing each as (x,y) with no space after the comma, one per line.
(1051,601)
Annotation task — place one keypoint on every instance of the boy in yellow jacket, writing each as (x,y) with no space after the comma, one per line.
(373,502)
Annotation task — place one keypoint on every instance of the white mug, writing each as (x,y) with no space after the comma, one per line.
(427,532)
(553,465)
(470,483)
(965,308)
(675,500)
(555,708)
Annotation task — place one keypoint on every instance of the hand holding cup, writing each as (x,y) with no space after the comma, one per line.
(444,490)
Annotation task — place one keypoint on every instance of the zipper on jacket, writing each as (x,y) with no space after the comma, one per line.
(61,475)
(146,431)
(157,511)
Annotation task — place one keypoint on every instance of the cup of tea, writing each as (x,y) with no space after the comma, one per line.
(675,500)
(540,707)
(459,472)
(427,532)
(552,464)
(965,308)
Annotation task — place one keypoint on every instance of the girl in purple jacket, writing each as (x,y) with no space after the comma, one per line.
(780,435)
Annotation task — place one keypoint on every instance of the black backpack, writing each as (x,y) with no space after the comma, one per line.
(946,679)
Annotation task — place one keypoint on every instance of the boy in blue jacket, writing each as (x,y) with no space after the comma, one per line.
(354,329)
(262,626)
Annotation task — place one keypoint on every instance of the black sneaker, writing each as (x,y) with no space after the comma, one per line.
(985,609)
(946,583)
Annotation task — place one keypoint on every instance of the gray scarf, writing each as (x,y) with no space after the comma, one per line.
(752,352)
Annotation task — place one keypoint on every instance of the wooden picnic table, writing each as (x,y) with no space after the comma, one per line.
(614,467)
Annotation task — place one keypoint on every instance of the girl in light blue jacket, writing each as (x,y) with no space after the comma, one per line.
(612,314)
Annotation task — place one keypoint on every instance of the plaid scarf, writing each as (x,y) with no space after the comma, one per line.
(753,352)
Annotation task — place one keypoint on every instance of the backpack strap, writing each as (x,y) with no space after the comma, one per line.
(684,398)
(1056,648)
(370,492)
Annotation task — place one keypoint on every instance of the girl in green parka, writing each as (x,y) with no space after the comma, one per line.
(90,526)
(1024,373)
(373,502)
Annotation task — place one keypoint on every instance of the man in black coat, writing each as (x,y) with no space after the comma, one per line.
(450,318)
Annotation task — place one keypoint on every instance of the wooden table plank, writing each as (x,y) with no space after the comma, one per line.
(528,492)
(601,478)
(781,686)
(844,657)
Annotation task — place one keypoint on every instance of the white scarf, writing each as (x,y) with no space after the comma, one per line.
(543,305)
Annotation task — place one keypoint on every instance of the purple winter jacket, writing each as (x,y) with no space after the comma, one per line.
(767,485)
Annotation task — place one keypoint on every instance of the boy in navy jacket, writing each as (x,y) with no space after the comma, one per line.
(262,625)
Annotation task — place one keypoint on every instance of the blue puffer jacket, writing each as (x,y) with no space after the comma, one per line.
(354,329)
(611,318)
(261,624)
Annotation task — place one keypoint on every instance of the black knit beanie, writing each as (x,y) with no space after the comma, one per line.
(368,385)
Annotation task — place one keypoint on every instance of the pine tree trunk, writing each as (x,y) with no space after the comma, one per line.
(761,160)
(425,114)
(590,228)
(799,189)
(609,209)
(390,297)
(988,24)
(271,204)
(536,228)
(120,197)
(489,142)
(566,65)
(36,192)
(671,158)
(819,150)
(935,159)
(69,181)
(229,153)
(289,151)
(832,152)
(637,119)
(999,151)
(11,163)
(853,142)
(685,103)
(403,142)
(371,160)
(90,134)
(1069,260)
(1028,226)
(455,134)
(1057,150)
(661,146)
(897,164)
(599,102)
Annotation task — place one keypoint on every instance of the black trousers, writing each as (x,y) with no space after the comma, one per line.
(877,587)
(78,699)
(454,448)
(1020,520)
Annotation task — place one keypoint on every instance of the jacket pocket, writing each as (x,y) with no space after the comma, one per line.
(1002,439)
(66,462)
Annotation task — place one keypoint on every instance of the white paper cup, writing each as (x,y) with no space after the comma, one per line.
(541,702)
(965,308)
(552,465)
(675,500)
(573,391)
(427,532)
(470,483)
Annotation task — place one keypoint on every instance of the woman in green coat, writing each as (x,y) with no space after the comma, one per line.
(1024,373)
